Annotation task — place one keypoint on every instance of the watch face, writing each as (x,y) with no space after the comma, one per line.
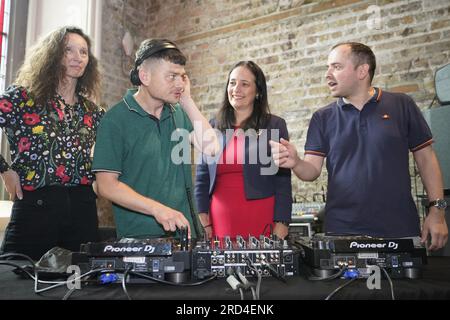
(438,203)
(441,204)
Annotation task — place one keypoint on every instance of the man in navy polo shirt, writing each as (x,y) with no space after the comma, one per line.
(366,136)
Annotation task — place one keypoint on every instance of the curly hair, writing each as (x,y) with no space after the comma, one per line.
(42,71)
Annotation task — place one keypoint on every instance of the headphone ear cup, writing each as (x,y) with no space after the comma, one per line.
(134,77)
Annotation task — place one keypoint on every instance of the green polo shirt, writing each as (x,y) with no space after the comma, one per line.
(138,146)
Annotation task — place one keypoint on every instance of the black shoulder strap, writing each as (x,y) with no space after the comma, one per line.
(199,230)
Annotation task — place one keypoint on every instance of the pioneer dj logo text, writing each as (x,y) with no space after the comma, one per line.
(391,245)
(146,249)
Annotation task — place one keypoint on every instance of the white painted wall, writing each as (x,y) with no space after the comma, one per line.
(45,16)
(5,211)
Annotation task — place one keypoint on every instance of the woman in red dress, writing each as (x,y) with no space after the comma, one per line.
(240,191)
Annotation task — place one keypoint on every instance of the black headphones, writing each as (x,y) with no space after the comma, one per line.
(147,49)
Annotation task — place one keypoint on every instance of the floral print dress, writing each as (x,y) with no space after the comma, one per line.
(49,145)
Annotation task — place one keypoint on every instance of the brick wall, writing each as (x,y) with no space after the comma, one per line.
(120,16)
(290,40)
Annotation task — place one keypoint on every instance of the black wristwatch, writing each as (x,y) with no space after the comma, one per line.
(438,203)
(4,166)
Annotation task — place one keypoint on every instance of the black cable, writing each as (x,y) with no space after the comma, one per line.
(33,268)
(93,271)
(252,267)
(54,285)
(272,271)
(265,228)
(280,262)
(191,284)
(22,268)
(245,283)
(18,255)
(434,99)
(199,229)
(62,283)
(332,277)
(71,291)
(340,288)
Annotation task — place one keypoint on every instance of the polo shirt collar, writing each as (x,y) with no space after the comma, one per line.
(134,106)
(375,98)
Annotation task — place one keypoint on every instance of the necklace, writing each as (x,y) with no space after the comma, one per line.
(67,111)
(66,104)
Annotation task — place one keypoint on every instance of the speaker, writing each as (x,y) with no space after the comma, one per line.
(439,121)
(442,84)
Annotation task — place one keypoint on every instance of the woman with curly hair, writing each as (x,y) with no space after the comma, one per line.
(50,122)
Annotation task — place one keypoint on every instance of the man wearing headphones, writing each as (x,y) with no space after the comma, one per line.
(134,159)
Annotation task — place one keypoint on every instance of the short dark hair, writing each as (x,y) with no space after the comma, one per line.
(162,48)
(261,112)
(361,54)
(155,49)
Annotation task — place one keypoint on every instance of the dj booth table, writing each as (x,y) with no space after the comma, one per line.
(435,284)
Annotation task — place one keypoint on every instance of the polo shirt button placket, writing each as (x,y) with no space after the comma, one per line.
(362,122)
